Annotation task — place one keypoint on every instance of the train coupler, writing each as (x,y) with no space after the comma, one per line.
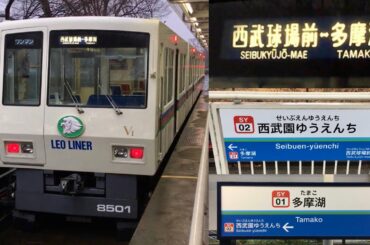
(72,184)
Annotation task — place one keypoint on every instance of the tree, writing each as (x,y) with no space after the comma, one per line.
(25,9)
(133,8)
(46,8)
(7,9)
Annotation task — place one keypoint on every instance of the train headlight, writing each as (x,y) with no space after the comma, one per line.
(27,147)
(120,151)
(19,147)
(127,152)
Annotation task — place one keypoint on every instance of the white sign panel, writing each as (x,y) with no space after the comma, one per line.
(265,134)
(294,210)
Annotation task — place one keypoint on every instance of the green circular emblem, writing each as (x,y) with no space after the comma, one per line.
(70,127)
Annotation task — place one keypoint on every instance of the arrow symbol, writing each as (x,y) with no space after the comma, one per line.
(286,227)
(231,147)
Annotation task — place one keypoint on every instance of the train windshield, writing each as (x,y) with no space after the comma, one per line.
(22,71)
(96,68)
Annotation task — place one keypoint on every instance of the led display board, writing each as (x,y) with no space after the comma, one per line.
(296,39)
(276,43)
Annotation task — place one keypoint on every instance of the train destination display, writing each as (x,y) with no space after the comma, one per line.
(289,44)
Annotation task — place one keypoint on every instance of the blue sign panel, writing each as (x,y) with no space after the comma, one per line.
(293,210)
(296,225)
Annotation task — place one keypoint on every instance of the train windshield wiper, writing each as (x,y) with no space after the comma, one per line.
(109,98)
(74,99)
(113,104)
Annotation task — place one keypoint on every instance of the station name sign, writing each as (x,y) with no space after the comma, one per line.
(288,134)
(302,39)
(293,210)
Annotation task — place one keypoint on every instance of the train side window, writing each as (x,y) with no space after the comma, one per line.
(165,77)
(22,70)
(168,75)
(182,72)
(170,70)
(193,68)
(190,71)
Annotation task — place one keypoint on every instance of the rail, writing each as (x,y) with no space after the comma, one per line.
(5,174)
(197,224)
(7,182)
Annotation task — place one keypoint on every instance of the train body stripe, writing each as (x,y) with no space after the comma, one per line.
(166,117)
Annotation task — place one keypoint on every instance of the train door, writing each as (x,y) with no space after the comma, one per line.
(23,72)
(193,75)
(176,83)
(162,59)
(191,78)
(167,99)
(181,93)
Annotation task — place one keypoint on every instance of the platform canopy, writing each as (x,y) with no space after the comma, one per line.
(195,13)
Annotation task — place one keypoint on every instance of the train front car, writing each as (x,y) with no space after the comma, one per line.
(79,114)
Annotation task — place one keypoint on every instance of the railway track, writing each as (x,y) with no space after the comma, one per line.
(7,184)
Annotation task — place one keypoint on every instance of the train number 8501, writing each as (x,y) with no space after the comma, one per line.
(110,208)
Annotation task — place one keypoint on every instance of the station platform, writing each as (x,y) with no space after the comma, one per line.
(167,218)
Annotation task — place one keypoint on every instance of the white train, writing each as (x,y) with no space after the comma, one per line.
(90,106)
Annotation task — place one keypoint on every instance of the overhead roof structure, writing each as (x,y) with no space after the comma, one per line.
(196,14)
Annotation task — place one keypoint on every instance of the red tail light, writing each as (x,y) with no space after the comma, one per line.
(13,148)
(137,153)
